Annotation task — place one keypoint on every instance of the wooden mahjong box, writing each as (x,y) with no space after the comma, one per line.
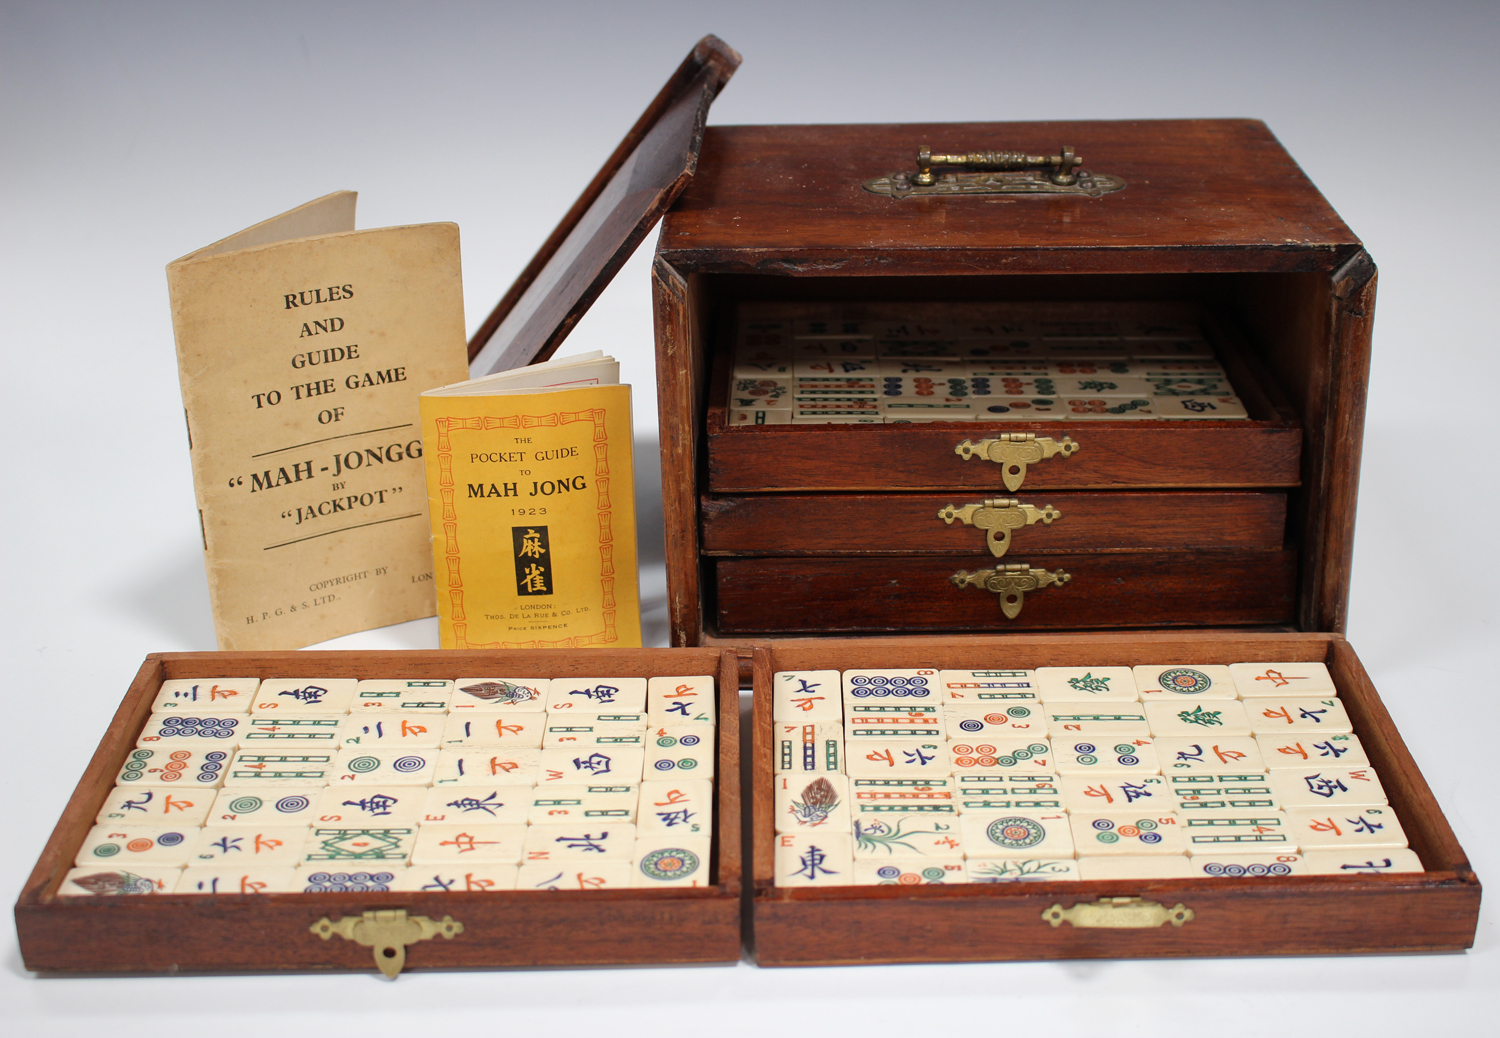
(1249,911)
(170,932)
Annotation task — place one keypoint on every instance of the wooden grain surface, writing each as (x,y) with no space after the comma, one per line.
(907,593)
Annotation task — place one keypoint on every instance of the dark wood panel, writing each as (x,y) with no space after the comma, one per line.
(914,594)
(886,524)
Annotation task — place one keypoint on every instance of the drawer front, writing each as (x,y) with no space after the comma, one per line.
(1110,455)
(907,524)
(900,594)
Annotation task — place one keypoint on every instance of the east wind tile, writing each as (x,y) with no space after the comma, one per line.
(156,805)
(1092,794)
(1210,755)
(1086,684)
(1212,865)
(806,803)
(492,805)
(380,806)
(579,842)
(675,807)
(988,688)
(892,720)
(288,805)
(1027,754)
(595,875)
(410,696)
(252,769)
(467,878)
(226,879)
(987,793)
(1347,828)
(242,846)
(170,766)
(511,766)
(461,844)
(1301,716)
(680,700)
(304,696)
(914,757)
(1135,866)
(597,695)
(808,748)
(1234,832)
(1092,756)
(557,805)
(1317,786)
(127,846)
(872,873)
(499,695)
(1213,717)
(1117,719)
(104,880)
(1299,751)
(590,765)
(671,861)
(1016,835)
(359,766)
(814,859)
(271,732)
(192,731)
(1353,862)
(1254,680)
(1020,870)
(355,878)
(1179,682)
(1127,832)
(1227,791)
(684,749)
(205,695)
(463,731)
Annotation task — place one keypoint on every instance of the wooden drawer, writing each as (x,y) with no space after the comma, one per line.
(1436,910)
(892,524)
(906,593)
(172,932)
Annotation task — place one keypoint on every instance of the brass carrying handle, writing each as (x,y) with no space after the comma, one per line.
(1061,165)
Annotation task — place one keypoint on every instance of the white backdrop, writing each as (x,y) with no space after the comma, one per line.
(132,133)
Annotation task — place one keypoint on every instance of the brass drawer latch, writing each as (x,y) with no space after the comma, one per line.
(1128,913)
(1014,451)
(998,517)
(997,173)
(387,933)
(1010,581)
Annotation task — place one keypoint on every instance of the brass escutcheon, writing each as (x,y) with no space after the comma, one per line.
(387,933)
(1011,581)
(1127,913)
(998,518)
(1014,451)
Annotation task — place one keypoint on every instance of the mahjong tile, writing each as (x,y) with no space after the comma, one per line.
(463,730)
(762,416)
(597,696)
(1208,756)
(579,841)
(1076,327)
(997,721)
(1298,751)
(156,805)
(468,877)
(920,350)
(993,370)
(844,407)
(1345,828)
(275,731)
(1199,793)
(1026,754)
(461,843)
(1086,349)
(1274,716)
(403,696)
(346,846)
(1127,832)
(1016,834)
(907,837)
(1134,866)
(253,769)
(350,878)
(807,696)
(830,328)
(499,695)
(1281,679)
(286,805)
(1213,717)
(1237,832)
(670,860)
(1094,756)
(869,872)
(1172,349)
(381,806)
(565,731)
(675,806)
(807,390)
(680,700)
(1094,793)
(591,765)
(760,400)
(1149,367)
(1190,386)
(1038,409)
(1165,328)
(1091,367)
(896,687)
(815,366)
(871,416)
(170,766)
(1080,684)
(986,328)
(810,748)
(488,805)
(988,792)
(360,766)
(1107,719)
(814,859)
(1212,865)
(304,696)
(242,846)
(595,875)
(909,329)
(888,719)
(764,365)
(1020,870)
(889,797)
(582,803)
(192,731)
(1313,786)
(682,749)
(759,331)
(126,846)
(104,881)
(236,879)
(206,695)
(1108,408)
(1225,407)
(1175,681)
(910,757)
(1355,861)
(511,766)
(942,410)
(805,803)
(988,688)
(1109,386)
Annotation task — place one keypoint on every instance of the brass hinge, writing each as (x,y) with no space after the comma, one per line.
(1014,451)
(1010,581)
(997,517)
(1130,913)
(387,933)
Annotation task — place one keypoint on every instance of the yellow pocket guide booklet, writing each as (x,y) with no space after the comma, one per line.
(531,490)
(302,345)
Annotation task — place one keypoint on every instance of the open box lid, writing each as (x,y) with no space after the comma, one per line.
(621,205)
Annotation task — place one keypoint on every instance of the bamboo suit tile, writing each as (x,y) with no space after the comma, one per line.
(1225,791)
(556,805)
(807,803)
(808,748)
(989,792)
(1231,832)
(500,695)
(257,769)
(807,697)
(1253,680)
(1106,719)
(988,688)
(890,797)
(270,732)
(865,721)
(302,697)
(217,696)
(409,696)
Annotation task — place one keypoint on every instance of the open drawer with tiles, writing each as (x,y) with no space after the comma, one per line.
(1090,796)
(297,810)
